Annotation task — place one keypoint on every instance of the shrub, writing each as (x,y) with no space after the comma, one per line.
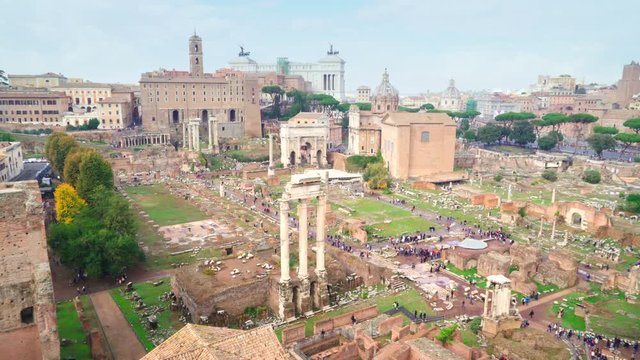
(550,175)
(522,212)
(636,159)
(498,178)
(591,176)
(475,324)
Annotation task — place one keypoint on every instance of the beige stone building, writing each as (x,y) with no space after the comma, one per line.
(628,86)
(418,145)
(10,160)
(363,94)
(85,94)
(28,327)
(46,81)
(33,106)
(170,97)
(115,113)
(304,139)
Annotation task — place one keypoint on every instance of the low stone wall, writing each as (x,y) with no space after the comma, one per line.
(345,319)
(262,173)
(338,160)
(398,332)
(292,334)
(424,185)
(385,326)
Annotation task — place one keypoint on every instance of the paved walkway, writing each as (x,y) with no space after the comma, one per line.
(121,339)
(544,300)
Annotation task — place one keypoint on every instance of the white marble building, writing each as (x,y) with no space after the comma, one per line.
(303,140)
(326,76)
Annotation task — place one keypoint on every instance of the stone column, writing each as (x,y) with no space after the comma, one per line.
(303,235)
(189,138)
(320,234)
(486,300)
(210,135)
(270,171)
(184,135)
(553,196)
(221,189)
(284,240)
(509,194)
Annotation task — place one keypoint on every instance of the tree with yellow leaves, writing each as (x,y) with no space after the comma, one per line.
(68,203)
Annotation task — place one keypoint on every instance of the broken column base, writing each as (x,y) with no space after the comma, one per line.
(491,327)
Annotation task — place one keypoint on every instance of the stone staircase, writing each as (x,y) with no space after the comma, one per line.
(397,285)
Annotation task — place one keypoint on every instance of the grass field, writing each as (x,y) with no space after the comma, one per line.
(411,299)
(150,294)
(607,321)
(162,207)
(387,220)
(569,319)
(69,327)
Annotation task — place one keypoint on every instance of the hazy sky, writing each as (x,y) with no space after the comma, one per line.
(483,44)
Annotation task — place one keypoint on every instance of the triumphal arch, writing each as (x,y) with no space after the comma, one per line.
(305,292)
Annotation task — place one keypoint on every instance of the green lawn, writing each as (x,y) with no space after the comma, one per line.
(69,327)
(387,220)
(545,288)
(167,320)
(516,150)
(411,299)
(607,321)
(469,338)
(162,207)
(469,274)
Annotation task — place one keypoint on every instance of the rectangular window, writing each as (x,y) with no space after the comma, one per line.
(424,137)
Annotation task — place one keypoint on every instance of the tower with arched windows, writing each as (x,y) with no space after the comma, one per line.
(195,55)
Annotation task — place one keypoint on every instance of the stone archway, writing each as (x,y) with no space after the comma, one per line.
(205,116)
(292,158)
(319,158)
(576,219)
(232,115)
(175,116)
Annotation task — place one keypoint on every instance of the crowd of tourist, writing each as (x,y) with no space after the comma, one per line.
(594,342)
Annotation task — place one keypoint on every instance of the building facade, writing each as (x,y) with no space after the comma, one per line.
(495,104)
(115,113)
(168,98)
(304,140)
(418,145)
(33,106)
(363,94)
(85,94)
(10,160)
(327,76)
(46,81)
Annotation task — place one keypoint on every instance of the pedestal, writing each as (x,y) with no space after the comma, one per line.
(285,300)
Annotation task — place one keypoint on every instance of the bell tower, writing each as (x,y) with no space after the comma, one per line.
(195,55)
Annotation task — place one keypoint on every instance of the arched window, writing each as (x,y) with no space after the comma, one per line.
(424,137)
(197,61)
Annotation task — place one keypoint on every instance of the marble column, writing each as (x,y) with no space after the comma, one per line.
(284,241)
(553,196)
(270,170)
(486,301)
(303,236)
(509,194)
(321,233)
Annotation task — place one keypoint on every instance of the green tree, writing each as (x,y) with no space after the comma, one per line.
(498,178)
(601,142)
(632,203)
(72,164)
(427,106)
(522,212)
(464,124)
(6,136)
(547,142)
(605,130)
(627,139)
(591,176)
(471,105)
(377,176)
(550,175)
(633,124)
(446,334)
(580,120)
(93,124)
(94,173)
(469,135)
(275,93)
(508,118)
(56,149)
(522,132)
(489,134)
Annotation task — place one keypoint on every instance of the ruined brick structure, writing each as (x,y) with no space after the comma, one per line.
(27,307)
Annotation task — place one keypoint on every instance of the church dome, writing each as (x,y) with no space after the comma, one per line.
(385,89)
(452,91)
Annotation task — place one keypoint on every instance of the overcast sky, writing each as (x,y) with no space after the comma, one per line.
(482,44)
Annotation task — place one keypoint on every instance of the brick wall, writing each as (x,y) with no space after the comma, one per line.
(385,326)
(292,334)
(345,319)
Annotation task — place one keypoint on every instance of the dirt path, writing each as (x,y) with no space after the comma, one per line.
(120,337)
